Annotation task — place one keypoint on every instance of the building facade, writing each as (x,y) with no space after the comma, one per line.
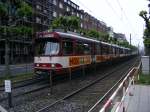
(21,47)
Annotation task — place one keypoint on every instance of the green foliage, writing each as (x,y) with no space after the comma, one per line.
(104,36)
(67,23)
(73,22)
(146,36)
(147,42)
(113,40)
(15,8)
(93,33)
(19,30)
(24,10)
(124,44)
(3,9)
(146,33)
(144,79)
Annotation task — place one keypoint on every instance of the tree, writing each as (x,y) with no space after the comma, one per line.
(12,11)
(93,33)
(144,15)
(146,35)
(68,23)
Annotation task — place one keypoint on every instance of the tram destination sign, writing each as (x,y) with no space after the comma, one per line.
(46,35)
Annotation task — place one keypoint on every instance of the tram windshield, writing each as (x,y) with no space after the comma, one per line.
(47,48)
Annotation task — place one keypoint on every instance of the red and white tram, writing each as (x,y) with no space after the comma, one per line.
(59,51)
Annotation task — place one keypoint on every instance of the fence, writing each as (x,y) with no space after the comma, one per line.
(17,69)
(117,102)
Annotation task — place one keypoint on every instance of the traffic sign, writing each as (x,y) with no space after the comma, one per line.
(7,86)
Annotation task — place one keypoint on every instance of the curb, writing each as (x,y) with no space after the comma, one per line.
(2,109)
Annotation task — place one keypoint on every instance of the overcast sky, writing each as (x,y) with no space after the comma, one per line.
(122,15)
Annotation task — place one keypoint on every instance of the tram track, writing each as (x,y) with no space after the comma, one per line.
(43,90)
(80,90)
(25,87)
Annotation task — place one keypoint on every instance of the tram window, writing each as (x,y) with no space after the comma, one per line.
(105,49)
(113,50)
(110,50)
(98,50)
(87,49)
(67,47)
(79,48)
(47,47)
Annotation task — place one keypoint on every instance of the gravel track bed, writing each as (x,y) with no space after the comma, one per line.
(37,100)
(85,99)
(24,89)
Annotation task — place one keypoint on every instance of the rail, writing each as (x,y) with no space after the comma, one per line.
(116,103)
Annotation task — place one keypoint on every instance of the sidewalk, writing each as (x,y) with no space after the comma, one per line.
(140,101)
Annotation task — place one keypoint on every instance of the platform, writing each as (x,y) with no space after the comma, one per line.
(140,100)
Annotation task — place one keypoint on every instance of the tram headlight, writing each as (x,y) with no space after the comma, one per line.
(53,65)
(37,65)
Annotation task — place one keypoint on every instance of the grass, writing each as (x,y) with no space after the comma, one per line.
(17,78)
(144,79)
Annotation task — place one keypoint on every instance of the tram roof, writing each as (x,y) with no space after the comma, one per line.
(78,37)
(73,36)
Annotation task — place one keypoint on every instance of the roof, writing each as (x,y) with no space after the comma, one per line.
(73,35)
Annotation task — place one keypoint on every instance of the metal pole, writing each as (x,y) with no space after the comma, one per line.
(130,39)
(10,100)
(51,84)
(95,67)
(83,70)
(123,100)
(7,69)
(70,74)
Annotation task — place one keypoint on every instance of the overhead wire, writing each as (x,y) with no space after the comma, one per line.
(124,13)
(91,12)
(114,11)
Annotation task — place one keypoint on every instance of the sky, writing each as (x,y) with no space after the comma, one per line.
(121,15)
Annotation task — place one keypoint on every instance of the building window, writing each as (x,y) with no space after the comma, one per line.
(54,14)
(54,2)
(38,7)
(38,20)
(73,13)
(45,22)
(65,0)
(45,11)
(81,16)
(60,14)
(68,9)
(81,25)
(77,14)
(60,5)
(69,2)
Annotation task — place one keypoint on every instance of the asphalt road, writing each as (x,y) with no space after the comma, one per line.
(17,69)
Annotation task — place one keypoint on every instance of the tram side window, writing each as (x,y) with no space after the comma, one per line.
(87,49)
(110,50)
(98,49)
(79,48)
(105,50)
(67,47)
(114,50)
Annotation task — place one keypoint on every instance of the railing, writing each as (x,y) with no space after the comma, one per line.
(117,102)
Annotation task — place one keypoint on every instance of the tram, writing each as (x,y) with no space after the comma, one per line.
(60,51)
